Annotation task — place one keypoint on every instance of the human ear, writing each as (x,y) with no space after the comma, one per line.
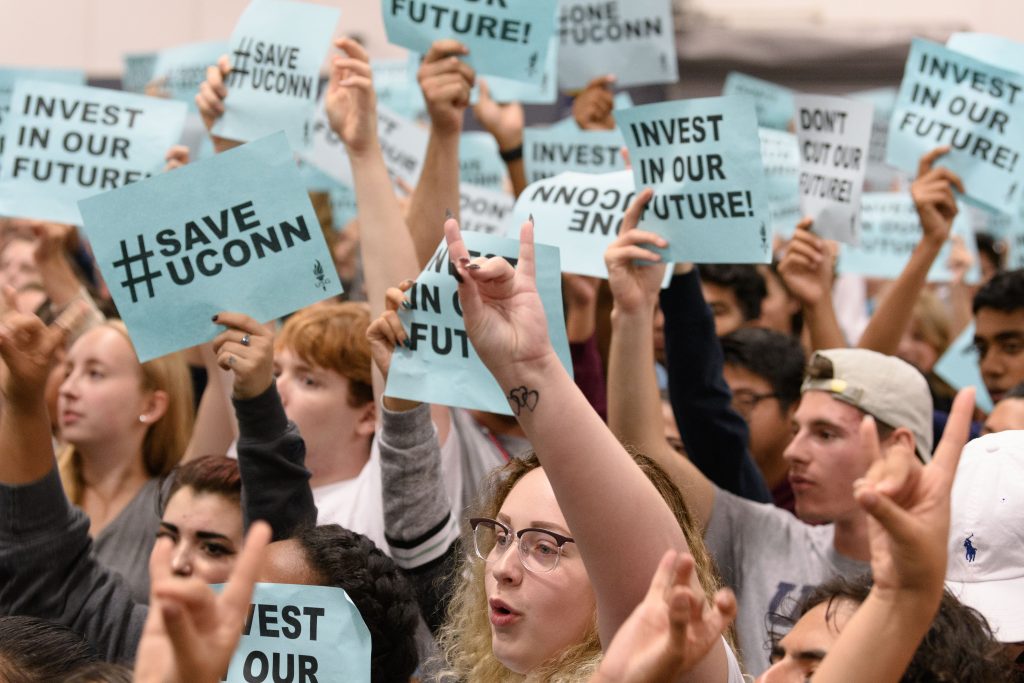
(155,406)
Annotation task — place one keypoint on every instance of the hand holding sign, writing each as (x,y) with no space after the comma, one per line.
(190,632)
(932,191)
(387,331)
(504,317)
(247,349)
(592,108)
(350,102)
(807,267)
(210,101)
(446,81)
(504,121)
(635,286)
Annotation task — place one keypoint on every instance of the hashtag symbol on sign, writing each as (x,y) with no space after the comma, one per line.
(141,257)
(239,66)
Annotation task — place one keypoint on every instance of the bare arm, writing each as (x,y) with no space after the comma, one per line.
(215,426)
(505,122)
(936,207)
(446,82)
(586,465)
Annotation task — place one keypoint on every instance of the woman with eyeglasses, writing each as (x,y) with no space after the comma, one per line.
(566,542)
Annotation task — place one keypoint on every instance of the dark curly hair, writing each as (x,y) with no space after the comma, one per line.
(38,651)
(958,648)
(1004,292)
(379,590)
(746,284)
(777,357)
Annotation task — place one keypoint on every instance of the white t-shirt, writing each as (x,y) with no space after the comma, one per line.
(356,503)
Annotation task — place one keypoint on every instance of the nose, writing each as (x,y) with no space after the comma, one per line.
(181,560)
(990,365)
(506,567)
(779,673)
(794,452)
(69,387)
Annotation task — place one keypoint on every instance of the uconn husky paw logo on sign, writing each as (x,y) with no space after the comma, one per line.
(971,551)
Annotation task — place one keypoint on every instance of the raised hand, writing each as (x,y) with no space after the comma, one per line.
(446,82)
(807,267)
(191,633)
(210,100)
(387,332)
(247,349)
(350,101)
(504,121)
(932,191)
(670,631)
(908,505)
(592,108)
(28,348)
(176,157)
(634,286)
(501,306)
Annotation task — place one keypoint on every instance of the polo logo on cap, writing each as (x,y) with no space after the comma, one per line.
(971,550)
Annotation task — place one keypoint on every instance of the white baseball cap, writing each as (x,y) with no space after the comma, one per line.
(986,532)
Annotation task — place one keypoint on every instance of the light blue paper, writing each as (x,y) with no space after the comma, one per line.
(480,161)
(277,45)
(959,368)
(998,50)
(485,210)
(622,100)
(548,152)
(773,102)
(343,206)
(138,71)
(890,231)
(781,158)
(508,90)
(881,177)
(9,76)
(834,134)
(168,227)
(928,114)
(504,39)
(716,210)
(394,82)
(633,39)
(580,213)
(458,377)
(314,632)
(179,71)
(47,165)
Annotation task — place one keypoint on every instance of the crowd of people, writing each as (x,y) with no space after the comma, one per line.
(731,487)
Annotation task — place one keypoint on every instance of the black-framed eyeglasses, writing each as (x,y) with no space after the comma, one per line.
(744,402)
(539,549)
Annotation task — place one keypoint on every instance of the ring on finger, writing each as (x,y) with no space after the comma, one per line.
(245,340)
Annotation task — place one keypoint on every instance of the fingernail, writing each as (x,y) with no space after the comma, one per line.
(214,318)
(448,214)
(407,283)
(406,344)
(463,260)
(531,220)
(473,266)
(406,304)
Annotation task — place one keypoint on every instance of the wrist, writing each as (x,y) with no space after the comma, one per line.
(445,130)
(530,373)
(632,315)
(368,150)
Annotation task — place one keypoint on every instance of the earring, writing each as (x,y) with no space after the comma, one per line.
(142,418)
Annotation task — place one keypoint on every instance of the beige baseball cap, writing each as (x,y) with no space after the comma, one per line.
(890,390)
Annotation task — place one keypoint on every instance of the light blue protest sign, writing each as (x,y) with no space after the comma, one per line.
(480,161)
(233,233)
(440,364)
(580,213)
(998,50)
(780,155)
(948,98)
(891,230)
(622,100)
(508,90)
(773,102)
(343,206)
(484,210)
(138,71)
(180,70)
(8,77)
(548,152)
(394,82)
(69,142)
(403,144)
(633,39)
(880,176)
(277,48)
(959,368)
(702,157)
(302,634)
(833,134)
(504,39)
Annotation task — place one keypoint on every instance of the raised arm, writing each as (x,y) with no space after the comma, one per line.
(505,122)
(271,453)
(446,81)
(210,101)
(807,268)
(586,465)
(908,529)
(936,208)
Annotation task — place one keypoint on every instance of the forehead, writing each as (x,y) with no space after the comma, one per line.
(819,628)
(718,293)
(738,377)
(820,406)
(988,322)
(532,499)
(105,344)
(203,511)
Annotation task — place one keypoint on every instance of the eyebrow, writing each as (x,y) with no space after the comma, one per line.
(205,535)
(779,651)
(1009,335)
(550,525)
